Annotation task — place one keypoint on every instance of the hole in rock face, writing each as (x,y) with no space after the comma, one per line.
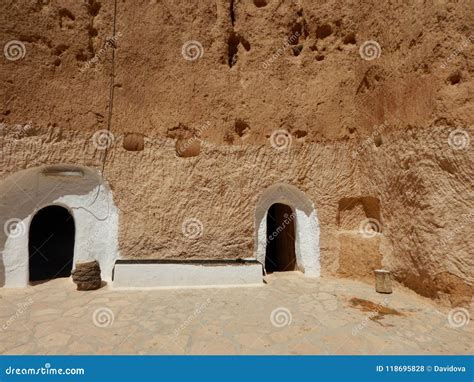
(133,142)
(260,3)
(241,127)
(245,43)
(300,133)
(60,49)
(349,39)
(186,148)
(233,47)
(323,31)
(295,34)
(63,12)
(51,244)
(65,17)
(81,56)
(280,251)
(93,32)
(454,78)
(233,44)
(378,140)
(297,50)
(232,12)
(94,7)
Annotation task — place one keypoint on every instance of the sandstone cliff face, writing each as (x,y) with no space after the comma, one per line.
(269,92)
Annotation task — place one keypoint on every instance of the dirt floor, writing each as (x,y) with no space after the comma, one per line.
(290,314)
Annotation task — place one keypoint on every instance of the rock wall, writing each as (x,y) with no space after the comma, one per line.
(191,109)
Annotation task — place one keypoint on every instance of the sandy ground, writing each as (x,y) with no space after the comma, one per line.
(290,314)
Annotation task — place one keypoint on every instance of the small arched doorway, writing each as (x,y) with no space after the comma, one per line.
(51,244)
(280,253)
(304,223)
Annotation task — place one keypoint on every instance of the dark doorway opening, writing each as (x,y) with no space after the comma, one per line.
(280,252)
(51,244)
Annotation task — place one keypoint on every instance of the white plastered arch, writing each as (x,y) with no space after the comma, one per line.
(306,226)
(82,191)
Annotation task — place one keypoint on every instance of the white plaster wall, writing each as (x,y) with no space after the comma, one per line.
(87,198)
(306,226)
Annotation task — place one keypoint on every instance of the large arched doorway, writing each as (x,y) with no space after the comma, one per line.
(280,251)
(51,244)
(82,191)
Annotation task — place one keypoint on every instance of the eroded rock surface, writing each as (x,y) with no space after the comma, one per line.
(384,139)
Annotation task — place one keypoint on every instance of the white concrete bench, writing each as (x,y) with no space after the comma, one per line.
(131,274)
